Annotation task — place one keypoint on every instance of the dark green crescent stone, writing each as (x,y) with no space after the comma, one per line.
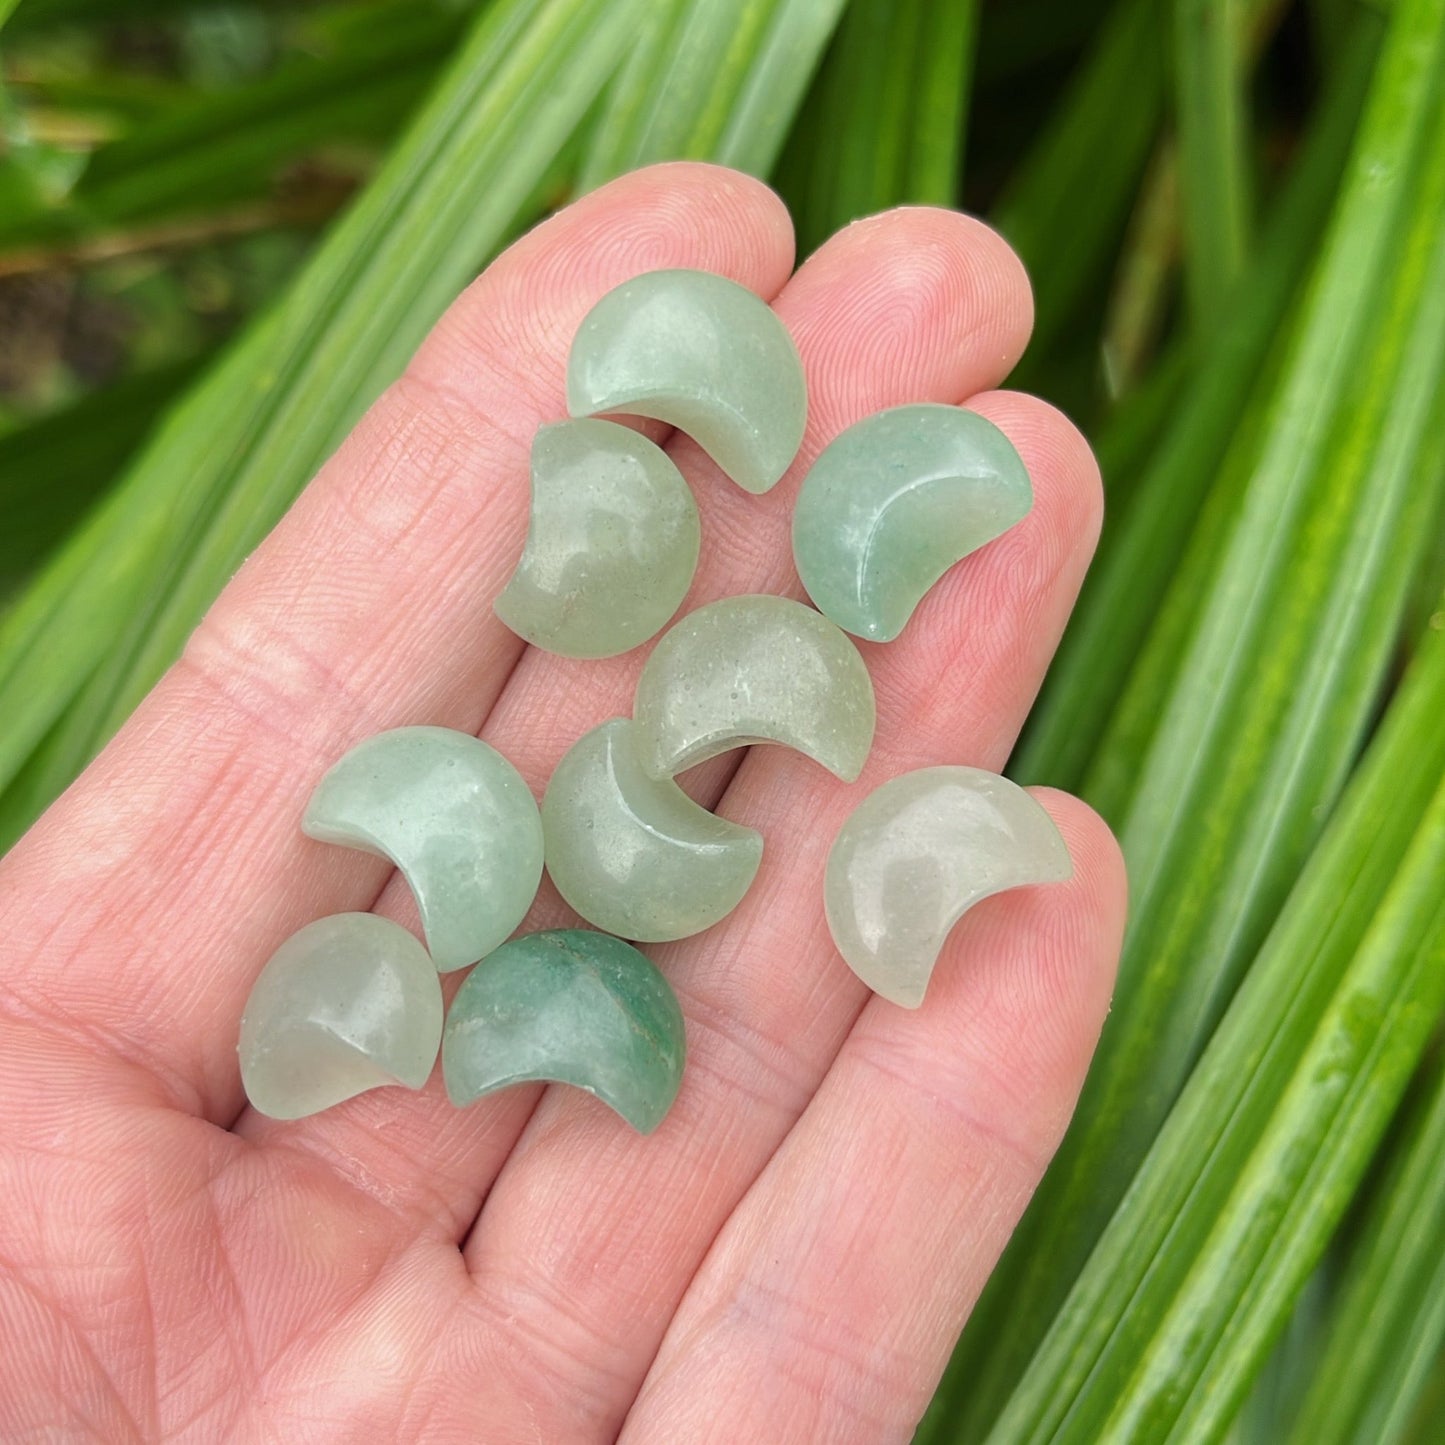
(568,1006)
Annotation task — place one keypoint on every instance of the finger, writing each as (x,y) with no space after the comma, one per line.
(914,305)
(585,1214)
(839,1287)
(144,903)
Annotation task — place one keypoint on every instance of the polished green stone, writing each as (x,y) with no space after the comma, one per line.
(346,1004)
(611,546)
(573,1007)
(754,669)
(635,855)
(455,816)
(893,502)
(916,854)
(704,355)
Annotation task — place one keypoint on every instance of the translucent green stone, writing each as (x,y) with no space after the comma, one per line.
(704,355)
(893,502)
(635,855)
(346,1004)
(916,854)
(572,1007)
(455,816)
(754,669)
(611,545)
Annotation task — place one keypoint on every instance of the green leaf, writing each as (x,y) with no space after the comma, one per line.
(1388,1324)
(884,121)
(733,80)
(1197,1271)
(1262,671)
(1210,107)
(112,610)
(1065,205)
(53,469)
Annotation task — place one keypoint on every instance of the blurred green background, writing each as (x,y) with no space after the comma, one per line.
(223,228)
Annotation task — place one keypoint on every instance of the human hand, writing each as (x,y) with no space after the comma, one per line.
(791,1255)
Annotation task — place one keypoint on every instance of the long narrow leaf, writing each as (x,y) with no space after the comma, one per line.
(884,123)
(1067,202)
(53,469)
(733,80)
(1197,1271)
(1210,84)
(1389,1316)
(124,594)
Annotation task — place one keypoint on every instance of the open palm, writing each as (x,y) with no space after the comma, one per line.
(791,1256)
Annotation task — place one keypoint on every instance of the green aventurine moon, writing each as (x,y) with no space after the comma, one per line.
(612,542)
(916,854)
(704,355)
(754,669)
(635,855)
(572,1007)
(893,502)
(348,1003)
(455,816)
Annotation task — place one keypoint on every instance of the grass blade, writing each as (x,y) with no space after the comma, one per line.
(1210,108)
(1389,1315)
(114,607)
(52,469)
(732,83)
(1195,1276)
(1066,204)
(884,122)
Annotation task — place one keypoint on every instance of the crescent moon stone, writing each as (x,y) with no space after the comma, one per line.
(612,542)
(754,669)
(635,855)
(455,816)
(916,854)
(572,1007)
(893,502)
(346,1004)
(703,354)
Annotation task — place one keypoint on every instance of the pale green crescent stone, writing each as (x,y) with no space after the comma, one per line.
(612,542)
(455,816)
(893,502)
(571,1007)
(754,669)
(635,855)
(346,1004)
(916,854)
(704,355)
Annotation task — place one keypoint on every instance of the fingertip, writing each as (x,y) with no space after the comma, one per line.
(952,304)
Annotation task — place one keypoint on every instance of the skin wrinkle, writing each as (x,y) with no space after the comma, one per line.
(76,1336)
(782,1085)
